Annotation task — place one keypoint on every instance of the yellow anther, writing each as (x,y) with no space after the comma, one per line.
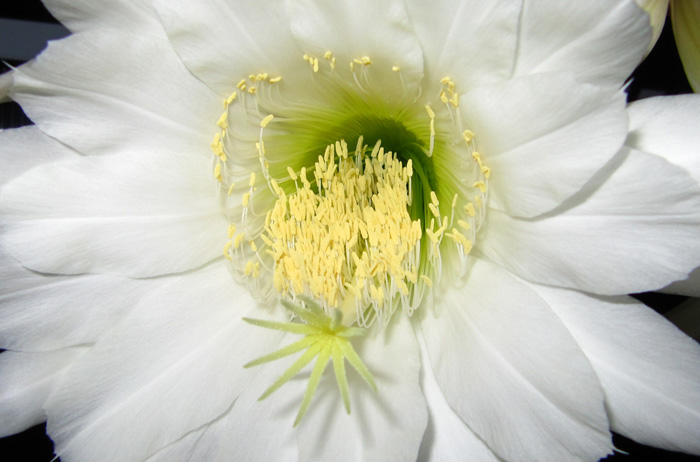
(455,100)
(469,208)
(230,188)
(266,120)
(217,172)
(252,90)
(253,246)
(445,80)
(216,142)
(327,55)
(434,210)
(275,79)
(315,64)
(466,226)
(430,112)
(223,120)
(251,77)
(468,135)
(454,201)
(245,200)
(395,68)
(227,248)
(432,127)
(486,171)
(275,186)
(427,280)
(241,84)
(481,185)
(266,240)
(443,97)
(366,61)
(238,239)
(434,199)
(251,182)
(231,98)
(292,174)
(231,230)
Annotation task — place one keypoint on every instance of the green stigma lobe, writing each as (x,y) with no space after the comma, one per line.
(326,339)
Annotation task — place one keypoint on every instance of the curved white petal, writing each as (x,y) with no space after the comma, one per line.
(135,16)
(387,425)
(657,10)
(222,43)
(352,30)
(250,430)
(26,379)
(471,41)
(132,215)
(543,137)
(637,231)
(47,312)
(510,369)
(173,365)
(650,370)
(117,93)
(600,41)
(668,127)
(15,159)
(447,438)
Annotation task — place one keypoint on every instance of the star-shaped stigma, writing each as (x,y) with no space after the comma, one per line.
(325,337)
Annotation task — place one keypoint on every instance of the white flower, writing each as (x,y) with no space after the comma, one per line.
(125,322)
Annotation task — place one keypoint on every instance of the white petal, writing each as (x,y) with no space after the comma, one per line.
(26,379)
(173,365)
(638,231)
(353,29)
(16,142)
(512,371)
(136,16)
(601,41)
(387,425)
(222,43)
(447,437)
(657,10)
(668,127)
(115,93)
(131,215)
(250,430)
(543,137)
(689,286)
(649,369)
(471,41)
(45,312)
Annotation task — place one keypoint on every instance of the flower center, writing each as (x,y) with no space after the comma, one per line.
(364,230)
(344,237)
(348,241)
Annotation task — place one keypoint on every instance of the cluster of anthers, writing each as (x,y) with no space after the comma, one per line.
(344,237)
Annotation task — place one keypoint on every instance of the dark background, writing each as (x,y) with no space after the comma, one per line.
(660,74)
